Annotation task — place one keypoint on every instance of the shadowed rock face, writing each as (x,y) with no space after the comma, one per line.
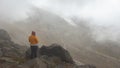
(56,50)
(4,35)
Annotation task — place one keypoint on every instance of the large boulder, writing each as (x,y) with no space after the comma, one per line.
(57,51)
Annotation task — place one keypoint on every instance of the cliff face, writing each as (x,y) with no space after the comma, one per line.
(7,47)
(54,56)
(10,53)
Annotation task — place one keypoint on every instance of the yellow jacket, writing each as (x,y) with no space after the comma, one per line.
(33,39)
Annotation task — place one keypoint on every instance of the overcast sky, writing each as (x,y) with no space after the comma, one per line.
(99,12)
(14,9)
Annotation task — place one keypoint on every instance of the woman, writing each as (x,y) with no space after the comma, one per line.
(34,44)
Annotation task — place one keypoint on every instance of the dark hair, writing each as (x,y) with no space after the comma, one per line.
(33,33)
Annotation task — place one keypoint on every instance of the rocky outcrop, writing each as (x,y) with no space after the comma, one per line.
(4,35)
(53,50)
(11,54)
(55,56)
(57,51)
(9,48)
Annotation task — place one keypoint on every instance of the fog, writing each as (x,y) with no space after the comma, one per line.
(102,14)
(89,29)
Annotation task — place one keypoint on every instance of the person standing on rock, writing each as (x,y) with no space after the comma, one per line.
(34,44)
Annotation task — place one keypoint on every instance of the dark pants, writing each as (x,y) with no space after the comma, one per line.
(34,51)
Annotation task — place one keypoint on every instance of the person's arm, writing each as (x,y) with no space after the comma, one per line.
(36,39)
